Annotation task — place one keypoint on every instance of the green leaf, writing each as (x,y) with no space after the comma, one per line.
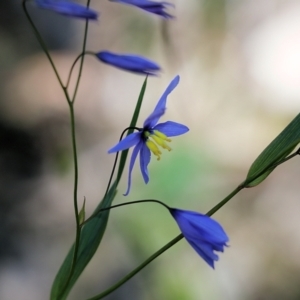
(82,213)
(132,124)
(93,231)
(279,148)
(91,237)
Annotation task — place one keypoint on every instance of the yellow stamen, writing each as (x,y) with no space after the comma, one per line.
(161,135)
(154,149)
(160,142)
(158,139)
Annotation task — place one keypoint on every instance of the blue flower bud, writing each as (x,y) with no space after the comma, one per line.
(128,62)
(203,233)
(68,8)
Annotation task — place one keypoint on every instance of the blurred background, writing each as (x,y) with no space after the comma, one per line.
(239,63)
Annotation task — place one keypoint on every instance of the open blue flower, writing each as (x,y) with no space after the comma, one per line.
(151,136)
(68,8)
(157,8)
(204,234)
(128,62)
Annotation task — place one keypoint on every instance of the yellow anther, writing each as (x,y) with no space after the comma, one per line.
(160,142)
(158,139)
(153,148)
(161,135)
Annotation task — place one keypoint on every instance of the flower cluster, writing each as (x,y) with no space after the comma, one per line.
(204,234)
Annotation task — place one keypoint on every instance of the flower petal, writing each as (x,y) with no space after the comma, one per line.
(210,230)
(130,140)
(145,156)
(206,253)
(68,9)
(129,62)
(170,128)
(154,7)
(160,107)
(135,152)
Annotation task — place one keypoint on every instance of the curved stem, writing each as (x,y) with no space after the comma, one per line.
(74,63)
(115,162)
(135,202)
(82,57)
(110,178)
(180,236)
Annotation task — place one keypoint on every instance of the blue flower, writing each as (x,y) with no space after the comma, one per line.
(204,234)
(128,62)
(153,7)
(151,136)
(68,8)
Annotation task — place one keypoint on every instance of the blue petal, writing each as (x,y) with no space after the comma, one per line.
(160,107)
(170,128)
(145,156)
(135,152)
(68,8)
(154,7)
(204,254)
(193,222)
(128,62)
(204,234)
(130,140)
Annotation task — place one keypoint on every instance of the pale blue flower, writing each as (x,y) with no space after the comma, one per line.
(204,234)
(152,136)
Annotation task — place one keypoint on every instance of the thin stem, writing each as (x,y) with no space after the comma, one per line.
(43,45)
(74,63)
(180,236)
(135,202)
(115,162)
(74,146)
(139,268)
(75,201)
(82,57)
(224,201)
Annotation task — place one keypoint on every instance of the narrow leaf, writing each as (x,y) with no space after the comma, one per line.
(277,150)
(91,237)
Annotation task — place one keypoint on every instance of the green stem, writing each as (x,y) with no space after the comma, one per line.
(82,57)
(135,202)
(224,201)
(180,236)
(78,228)
(74,146)
(139,268)
(75,200)
(43,45)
